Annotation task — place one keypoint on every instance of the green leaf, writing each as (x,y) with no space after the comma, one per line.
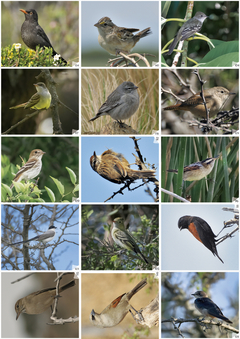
(59,185)
(24,197)
(7,189)
(224,54)
(50,194)
(72,175)
(19,187)
(165,7)
(76,189)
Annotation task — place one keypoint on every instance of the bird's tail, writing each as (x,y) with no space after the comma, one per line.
(225,319)
(137,288)
(172,46)
(96,116)
(173,108)
(134,174)
(68,285)
(219,257)
(143,33)
(142,256)
(18,106)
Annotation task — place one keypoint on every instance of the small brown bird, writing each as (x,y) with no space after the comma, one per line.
(38,302)
(116,39)
(115,168)
(197,170)
(32,167)
(215,98)
(115,312)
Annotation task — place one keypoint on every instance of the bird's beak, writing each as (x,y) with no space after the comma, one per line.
(22,10)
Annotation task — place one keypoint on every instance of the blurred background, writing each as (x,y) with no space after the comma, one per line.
(60,153)
(98,290)
(189,253)
(99,251)
(98,84)
(36,326)
(221,185)
(184,84)
(59,20)
(222,24)
(177,302)
(129,14)
(17,88)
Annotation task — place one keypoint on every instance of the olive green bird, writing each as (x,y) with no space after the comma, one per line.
(124,239)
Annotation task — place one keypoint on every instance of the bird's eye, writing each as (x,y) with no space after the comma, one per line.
(31,13)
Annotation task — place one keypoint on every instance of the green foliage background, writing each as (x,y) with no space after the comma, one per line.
(221,185)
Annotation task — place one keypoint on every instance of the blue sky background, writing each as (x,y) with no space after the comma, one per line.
(66,253)
(181,251)
(97,189)
(129,14)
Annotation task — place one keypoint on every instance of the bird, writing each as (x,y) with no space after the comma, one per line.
(44,238)
(32,167)
(39,301)
(116,39)
(197,170)
(207,307)
(124,239)
(215,98)
(39,100)
(201,231)
(121,104)
(115,168)
(188,29)
(33,35)
(114,313)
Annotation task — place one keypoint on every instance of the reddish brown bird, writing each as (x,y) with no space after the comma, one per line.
(201,231)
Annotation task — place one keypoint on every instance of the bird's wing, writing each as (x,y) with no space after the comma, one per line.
(43,36)
(33,100)
(205,232)
(47,234)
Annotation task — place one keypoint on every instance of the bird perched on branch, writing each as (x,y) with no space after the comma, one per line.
(207,307)
(121,104)
(115,168)
(115,312)
(124,239)
(116,39)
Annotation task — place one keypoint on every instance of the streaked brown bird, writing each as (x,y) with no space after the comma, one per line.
(116,39)
(115,168)
(32,167)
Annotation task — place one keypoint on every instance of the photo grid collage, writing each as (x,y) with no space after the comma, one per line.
(139,99)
